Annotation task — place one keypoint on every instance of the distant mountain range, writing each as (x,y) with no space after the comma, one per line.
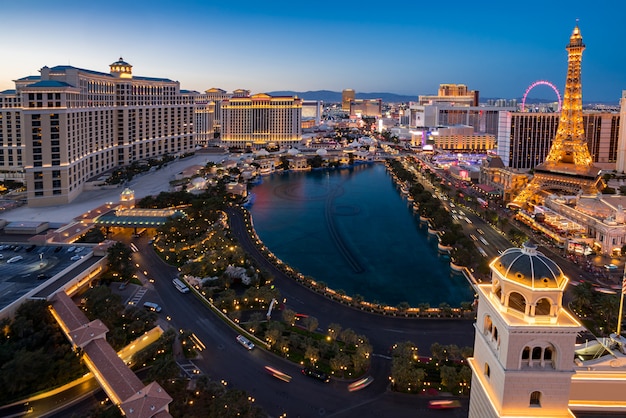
(328,96)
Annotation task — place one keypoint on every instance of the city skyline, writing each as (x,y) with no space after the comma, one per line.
(498,49)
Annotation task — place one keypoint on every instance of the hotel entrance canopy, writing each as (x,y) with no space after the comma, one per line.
(137,218)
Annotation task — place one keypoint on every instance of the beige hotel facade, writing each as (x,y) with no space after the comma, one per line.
(68,125)
(260,120)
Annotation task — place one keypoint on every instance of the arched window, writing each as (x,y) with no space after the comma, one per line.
(537,353)
(517,302)
(487,370)
(487,325)
(495,333)
(535,399)
(543,307)
(526,353)
(547,353)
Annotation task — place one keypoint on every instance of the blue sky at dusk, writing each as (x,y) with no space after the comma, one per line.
(409,47)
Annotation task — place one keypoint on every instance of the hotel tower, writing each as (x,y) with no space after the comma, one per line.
(69,125)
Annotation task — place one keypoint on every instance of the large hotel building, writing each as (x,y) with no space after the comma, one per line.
(68,125)
(525,138)
(261,120)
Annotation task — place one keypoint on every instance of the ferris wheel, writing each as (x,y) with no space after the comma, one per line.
(538,83)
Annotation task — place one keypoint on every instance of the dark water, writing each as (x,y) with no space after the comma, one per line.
(351,229)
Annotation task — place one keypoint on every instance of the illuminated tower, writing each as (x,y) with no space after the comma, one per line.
(347,95)
(524,344)
(568,168)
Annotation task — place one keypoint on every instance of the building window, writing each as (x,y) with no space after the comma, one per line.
(535,399)
(487,370)
(537,353)
(488,325)
(547,354)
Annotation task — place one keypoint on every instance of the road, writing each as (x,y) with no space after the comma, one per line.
(226,360)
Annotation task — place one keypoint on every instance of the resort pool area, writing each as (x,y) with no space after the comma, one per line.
(351,229)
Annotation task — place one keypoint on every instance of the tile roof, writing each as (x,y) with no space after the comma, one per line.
(136,400)
(50,83)
(68,311)
(147,402)
(118,376)
(86,333)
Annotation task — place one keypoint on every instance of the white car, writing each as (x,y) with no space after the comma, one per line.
(15,259)
(245,342)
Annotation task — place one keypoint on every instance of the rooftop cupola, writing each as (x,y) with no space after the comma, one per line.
(121,69)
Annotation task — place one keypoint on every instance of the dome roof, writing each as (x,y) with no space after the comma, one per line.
(594,206)
(121,62)
(321,152)
(529,267)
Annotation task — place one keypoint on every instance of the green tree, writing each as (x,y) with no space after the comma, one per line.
(289,316)
(340,363)
(312,354)
(119,261)
(310,323)
(348,336)
(449,377)
(334,330)
(406,373)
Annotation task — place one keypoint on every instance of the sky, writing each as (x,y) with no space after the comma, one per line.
(497,47)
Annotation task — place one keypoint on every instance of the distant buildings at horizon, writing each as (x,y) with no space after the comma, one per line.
(68,126)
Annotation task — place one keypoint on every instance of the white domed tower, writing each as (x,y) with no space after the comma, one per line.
(524,346)
(121,69)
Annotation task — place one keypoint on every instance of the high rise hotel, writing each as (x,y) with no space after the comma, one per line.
(260,120)
(68,125)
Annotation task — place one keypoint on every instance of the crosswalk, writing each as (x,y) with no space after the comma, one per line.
(134,300)
(190,369)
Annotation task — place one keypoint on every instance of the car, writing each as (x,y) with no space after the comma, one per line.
(151,306)
(316,374)
(360,384)
(15,259)
(444,404)
(245,342)
(43,276)
(123,285)
(76,257)
(610,267)
(278,374)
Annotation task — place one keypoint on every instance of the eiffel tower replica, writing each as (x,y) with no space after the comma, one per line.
(568,168)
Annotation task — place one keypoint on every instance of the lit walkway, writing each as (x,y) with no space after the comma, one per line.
(121,385)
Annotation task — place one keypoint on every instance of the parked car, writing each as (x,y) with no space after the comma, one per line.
(151,306)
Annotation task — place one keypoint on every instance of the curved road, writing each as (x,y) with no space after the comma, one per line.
(225,360)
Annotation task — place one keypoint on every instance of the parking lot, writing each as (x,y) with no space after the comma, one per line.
(25,266)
